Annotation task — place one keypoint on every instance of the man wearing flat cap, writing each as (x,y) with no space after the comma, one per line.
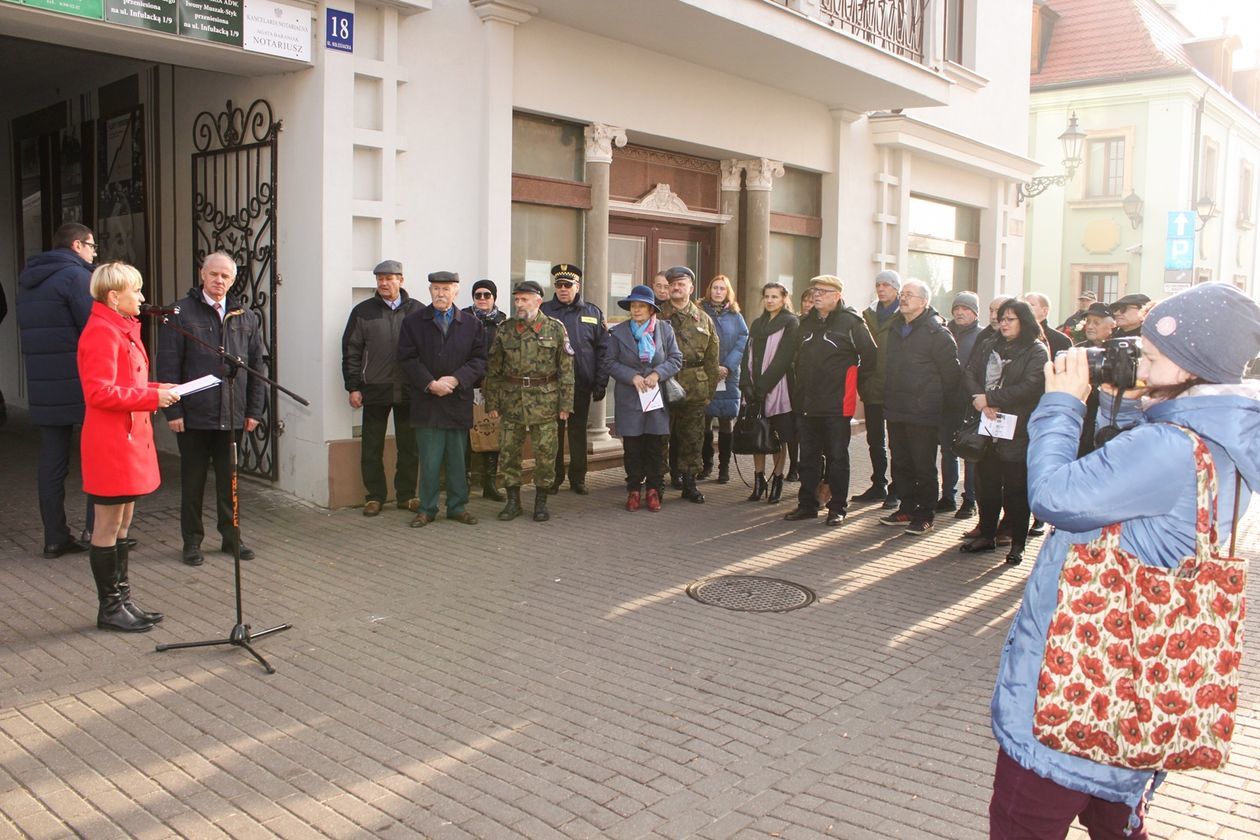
(442,352)
(1083,301)
(375,383)
(1129,312)
(588,336)
(529,385)
(699,342)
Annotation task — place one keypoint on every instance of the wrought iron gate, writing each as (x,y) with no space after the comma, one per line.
(234,210)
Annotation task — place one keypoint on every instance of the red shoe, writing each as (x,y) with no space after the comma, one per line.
(632,501)
(653,501)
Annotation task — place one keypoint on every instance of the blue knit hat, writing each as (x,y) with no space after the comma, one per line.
(1211,331)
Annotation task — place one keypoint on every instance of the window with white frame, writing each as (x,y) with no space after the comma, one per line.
(1104,167)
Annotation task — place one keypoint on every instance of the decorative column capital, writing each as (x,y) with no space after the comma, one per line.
(600,139)
(512,12)
(759,173)
(732,171)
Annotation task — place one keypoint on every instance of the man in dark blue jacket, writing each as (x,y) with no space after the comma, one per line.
(53,304)
(922,372)
(588,336)
(202,424)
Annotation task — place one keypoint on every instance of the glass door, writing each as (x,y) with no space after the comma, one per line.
(638,249)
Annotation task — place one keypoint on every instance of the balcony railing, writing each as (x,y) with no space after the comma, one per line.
(895,26)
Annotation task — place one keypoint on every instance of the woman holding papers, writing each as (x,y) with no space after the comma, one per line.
(644,354)
(1006,376)
(119,461)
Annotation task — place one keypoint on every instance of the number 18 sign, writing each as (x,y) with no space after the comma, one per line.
(339,30)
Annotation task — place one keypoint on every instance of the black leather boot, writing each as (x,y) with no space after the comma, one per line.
(690,492)
(513,507)
(113,614)
(759,487)
(490,469)
(540,505)
(776,489)
(724,457)
(124,588)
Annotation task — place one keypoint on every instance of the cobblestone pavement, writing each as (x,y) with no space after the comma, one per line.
(523,679)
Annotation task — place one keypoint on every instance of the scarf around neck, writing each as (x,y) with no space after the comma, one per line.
(645,335)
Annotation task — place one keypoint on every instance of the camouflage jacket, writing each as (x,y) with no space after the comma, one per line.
(699,342)
(537,349)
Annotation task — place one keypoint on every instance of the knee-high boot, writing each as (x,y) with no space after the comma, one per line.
(724,457)
(124,588)
(490,470)
(113,614)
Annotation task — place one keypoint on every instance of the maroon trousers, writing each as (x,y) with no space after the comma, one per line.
(1027,807)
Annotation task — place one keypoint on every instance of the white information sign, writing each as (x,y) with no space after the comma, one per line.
(621,284)
(539,271)
(278,29)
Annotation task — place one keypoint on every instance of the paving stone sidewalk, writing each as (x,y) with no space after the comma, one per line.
(525,680)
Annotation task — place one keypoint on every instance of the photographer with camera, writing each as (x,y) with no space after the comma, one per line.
(1197,344)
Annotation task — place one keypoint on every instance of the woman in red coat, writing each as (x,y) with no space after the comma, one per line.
(119,461)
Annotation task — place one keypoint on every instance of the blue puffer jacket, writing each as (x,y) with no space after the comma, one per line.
(732,338)
(1145,478)
(53,305)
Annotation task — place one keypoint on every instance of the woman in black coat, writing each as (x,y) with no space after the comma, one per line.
(1007,376)
(766,381)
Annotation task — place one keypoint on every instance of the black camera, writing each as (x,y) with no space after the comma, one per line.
(1115,363)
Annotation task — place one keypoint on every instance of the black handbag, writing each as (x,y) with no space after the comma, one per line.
(672,392)
(969,444)
(753,434)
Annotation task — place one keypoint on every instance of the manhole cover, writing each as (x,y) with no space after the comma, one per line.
(748,593)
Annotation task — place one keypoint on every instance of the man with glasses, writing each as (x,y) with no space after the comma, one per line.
(375,383)
(922,372)
(1129,312)
(53,305)
(588,336)
(835,357)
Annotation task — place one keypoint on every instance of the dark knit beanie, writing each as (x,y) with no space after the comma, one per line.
(486,284)
(1211,331)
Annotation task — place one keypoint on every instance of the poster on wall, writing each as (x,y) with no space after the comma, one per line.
(154,15)
(79,8)
(211,20)
(120,223)
(278,29)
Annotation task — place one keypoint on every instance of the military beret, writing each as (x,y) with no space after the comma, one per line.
(486,284)
(567,271)
(1098,309)
(443,277)
(678,271)
(388,267)
(527,286)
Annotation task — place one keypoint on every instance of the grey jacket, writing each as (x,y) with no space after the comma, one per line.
(625,364)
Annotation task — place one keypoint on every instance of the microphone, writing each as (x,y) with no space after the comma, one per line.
(158,311)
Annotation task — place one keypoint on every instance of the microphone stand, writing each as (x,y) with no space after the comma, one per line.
(241,634)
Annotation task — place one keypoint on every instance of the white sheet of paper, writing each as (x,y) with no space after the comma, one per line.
(620,284)
(721,386)
(479,398)
(195,385)
(650,399)
(1003,427)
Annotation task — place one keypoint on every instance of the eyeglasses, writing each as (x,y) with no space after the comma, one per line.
(91,245)
(909,295)
(1009,319)
(482,295)
(823,291)
(565,284)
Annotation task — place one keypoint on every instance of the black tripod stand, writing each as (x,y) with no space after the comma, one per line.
(241,635)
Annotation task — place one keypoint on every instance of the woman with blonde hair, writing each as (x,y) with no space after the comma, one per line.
(119,461)
(720,304)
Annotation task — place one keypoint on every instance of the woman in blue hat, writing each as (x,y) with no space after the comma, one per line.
(644,354)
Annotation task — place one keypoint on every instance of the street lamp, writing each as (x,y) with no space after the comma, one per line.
(1206,210)
(1072,139)
(1133,208)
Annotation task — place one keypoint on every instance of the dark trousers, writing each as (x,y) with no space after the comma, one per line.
(1003,485)
(949,467)
(724,425)
(441,448)
(198,449)
(824,437)
(875,439)
(55,445)
(574,429)
(1026,806)
(372,452)
(642,455)
(913,450)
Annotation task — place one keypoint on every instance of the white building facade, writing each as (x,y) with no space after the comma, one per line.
(766,140)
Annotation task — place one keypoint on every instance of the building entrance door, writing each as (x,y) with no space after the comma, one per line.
(639,248)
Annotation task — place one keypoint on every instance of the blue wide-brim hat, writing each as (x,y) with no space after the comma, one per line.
(642,294)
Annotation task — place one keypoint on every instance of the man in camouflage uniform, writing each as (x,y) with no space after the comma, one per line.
(529,383)
(698,340)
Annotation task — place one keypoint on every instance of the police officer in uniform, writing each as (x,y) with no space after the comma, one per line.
(588,336)
(699,342)
(529,384)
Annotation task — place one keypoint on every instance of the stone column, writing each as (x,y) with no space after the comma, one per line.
(500,19)
(728,234)
(600,139)
(759,174)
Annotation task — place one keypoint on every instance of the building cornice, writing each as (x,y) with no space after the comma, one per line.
(901,132)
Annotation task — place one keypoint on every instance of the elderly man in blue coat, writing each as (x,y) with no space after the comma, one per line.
(53,304)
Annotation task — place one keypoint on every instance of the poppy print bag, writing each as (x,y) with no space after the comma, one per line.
(1141,662)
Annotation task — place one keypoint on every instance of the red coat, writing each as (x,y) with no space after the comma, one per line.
(117,445)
